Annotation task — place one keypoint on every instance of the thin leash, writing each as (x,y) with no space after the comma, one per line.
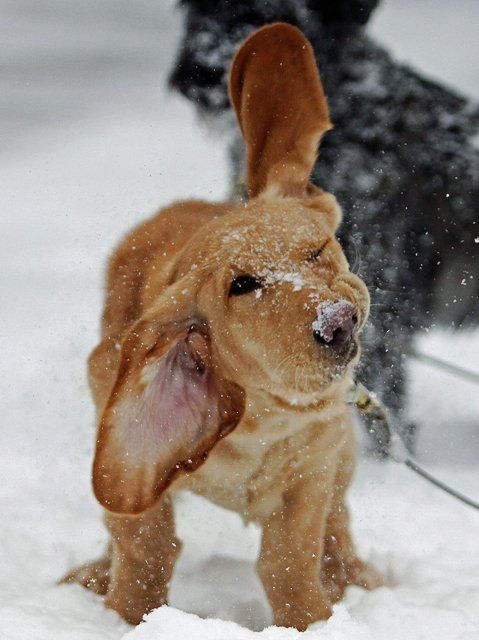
(448,367)
(369,404)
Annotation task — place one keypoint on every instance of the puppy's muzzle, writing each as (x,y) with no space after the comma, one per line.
(336,324)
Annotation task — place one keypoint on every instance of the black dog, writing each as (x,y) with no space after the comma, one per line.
(400,160)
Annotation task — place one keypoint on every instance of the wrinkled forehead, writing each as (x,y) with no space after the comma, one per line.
(275,237)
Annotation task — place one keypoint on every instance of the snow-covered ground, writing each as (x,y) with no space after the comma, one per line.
(91,143)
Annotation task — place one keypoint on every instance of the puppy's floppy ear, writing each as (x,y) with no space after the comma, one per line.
(278,97)
(168,408)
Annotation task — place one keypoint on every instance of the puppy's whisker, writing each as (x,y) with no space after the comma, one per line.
(356,268)
(297,375)
(280,370)
(304,380)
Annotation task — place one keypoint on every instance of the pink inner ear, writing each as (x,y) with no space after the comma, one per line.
(179,402)
(167,419)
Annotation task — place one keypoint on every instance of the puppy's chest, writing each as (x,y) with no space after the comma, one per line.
(246,470)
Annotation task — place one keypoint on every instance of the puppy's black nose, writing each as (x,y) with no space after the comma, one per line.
(336,323)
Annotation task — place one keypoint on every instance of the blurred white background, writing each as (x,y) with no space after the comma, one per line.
(90,143)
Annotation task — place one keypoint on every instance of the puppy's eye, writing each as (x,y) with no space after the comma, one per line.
(314,254)
(244,284)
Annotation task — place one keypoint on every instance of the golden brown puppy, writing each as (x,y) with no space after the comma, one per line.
(229,335)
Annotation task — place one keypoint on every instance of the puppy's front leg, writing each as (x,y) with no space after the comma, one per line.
(341,565)
(144,551)
(291,551)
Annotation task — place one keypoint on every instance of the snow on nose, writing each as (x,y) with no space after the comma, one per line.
(335,323)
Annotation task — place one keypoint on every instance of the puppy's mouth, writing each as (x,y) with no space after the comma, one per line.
(343,356)
(329,365)
(336,360)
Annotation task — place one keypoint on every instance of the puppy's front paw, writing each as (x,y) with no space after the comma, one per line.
(365,575)
(94,576)
(337,574)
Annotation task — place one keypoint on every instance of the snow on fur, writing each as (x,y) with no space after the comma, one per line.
(327,311)
(70,195)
